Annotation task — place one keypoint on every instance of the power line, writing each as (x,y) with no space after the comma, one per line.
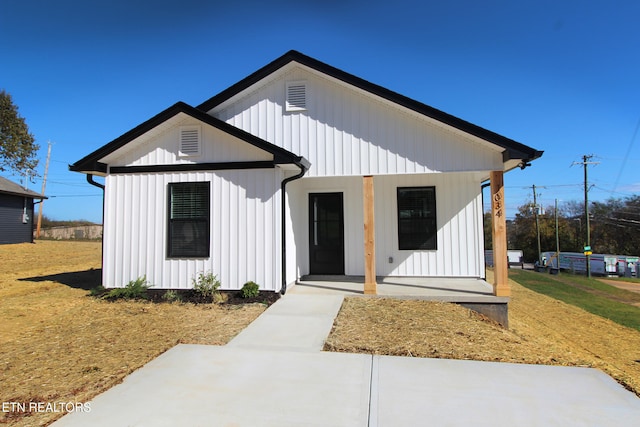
(44,184)
(75,195)
(626,156)
(549,186)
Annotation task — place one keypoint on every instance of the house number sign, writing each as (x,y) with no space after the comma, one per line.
(497,200)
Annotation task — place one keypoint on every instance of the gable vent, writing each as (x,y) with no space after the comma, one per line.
(296,96)
(189,141)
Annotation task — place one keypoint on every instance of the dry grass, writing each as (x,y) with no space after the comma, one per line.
(58,345)
(432,329)
(542,331)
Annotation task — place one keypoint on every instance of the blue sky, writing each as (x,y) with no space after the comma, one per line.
(560,76)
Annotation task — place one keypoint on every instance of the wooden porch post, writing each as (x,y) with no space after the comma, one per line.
(370,286)
(499,235)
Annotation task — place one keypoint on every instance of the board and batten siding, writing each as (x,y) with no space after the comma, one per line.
(459,253)
(244,234)
(460,247)
(163,148)
(347,132)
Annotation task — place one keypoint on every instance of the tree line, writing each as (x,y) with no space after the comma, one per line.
(614,226)
(50,223)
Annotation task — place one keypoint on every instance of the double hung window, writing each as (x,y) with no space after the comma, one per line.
(417,226)
(188,220)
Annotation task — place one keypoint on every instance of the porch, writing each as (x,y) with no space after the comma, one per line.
(472,293)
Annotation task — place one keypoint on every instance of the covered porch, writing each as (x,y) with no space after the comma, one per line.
(473,293)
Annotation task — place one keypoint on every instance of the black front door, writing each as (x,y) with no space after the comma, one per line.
(326,233)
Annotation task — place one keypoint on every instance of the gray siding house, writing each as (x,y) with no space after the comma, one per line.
(16,212)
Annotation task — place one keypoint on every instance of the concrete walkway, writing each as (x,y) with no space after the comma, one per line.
(274,374)
(294,323)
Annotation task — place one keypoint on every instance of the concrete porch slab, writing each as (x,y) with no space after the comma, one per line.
(433,288)
(472,293)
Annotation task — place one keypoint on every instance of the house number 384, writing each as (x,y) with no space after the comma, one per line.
(497,199)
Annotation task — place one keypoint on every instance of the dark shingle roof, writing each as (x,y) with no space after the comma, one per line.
(10,187)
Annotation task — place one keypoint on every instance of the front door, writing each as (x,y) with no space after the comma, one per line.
(326,233)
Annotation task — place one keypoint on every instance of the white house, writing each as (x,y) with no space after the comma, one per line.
(273,179)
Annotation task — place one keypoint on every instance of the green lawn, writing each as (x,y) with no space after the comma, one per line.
(589,294)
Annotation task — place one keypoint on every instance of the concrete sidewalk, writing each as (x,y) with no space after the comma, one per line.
(273,374)
(294,323)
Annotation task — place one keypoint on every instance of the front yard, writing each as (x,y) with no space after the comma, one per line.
(57,344)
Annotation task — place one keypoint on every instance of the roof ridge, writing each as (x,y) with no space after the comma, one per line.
(515,149)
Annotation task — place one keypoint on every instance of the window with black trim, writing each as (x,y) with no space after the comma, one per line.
(417,226)
(188,220)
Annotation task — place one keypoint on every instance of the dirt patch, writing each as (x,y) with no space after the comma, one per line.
(627,286)
(620,284)
(57,344)
(542,331)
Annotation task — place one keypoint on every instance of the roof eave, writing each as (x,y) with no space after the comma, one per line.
(523,158)
(92,164)
(27,195)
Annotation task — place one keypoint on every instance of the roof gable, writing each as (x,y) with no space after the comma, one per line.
(344,131)
(94,163)
(513,150)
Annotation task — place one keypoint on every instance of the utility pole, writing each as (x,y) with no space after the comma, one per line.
(587,247)
(536,210)
(44,184)
(557,238)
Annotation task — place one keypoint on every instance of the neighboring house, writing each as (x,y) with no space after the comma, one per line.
(16,212)
(272,178)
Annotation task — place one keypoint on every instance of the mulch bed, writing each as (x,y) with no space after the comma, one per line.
(225,298)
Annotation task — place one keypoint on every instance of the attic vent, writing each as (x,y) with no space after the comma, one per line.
(189,141)
(296,96)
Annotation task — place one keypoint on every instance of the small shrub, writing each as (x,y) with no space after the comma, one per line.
(250,290)
(98,291)
(172,296)
(206,286)
(135,289)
